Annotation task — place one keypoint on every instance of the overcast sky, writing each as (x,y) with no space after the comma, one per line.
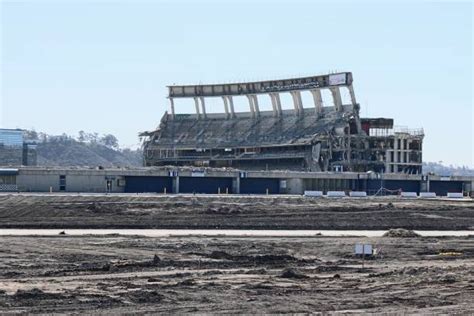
(104,66)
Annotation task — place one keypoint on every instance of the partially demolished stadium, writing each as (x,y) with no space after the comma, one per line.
(319,138)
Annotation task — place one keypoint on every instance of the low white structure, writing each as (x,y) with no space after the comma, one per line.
(409,195)
(313,193)
(337,194)
(358,194)
(455,195)
(428,195)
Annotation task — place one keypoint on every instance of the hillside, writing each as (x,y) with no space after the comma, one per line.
(443,170)
(82,154)
(88,150)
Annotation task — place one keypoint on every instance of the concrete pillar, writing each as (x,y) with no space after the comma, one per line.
(300,102)
(196,103)
(255,104)
(252,109)
(297,103)
(295,106)
(318,101)
(226,106)
(203,104)
(231,106)
(395,154)
(351,92)
(276,103)
(336,95)
(236,185)
(172,107)
(175,184)
(275,111)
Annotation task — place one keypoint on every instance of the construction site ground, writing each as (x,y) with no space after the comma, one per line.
(137,275)
(117,274)
(150,211)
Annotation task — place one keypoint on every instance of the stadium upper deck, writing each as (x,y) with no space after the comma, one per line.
(320,138)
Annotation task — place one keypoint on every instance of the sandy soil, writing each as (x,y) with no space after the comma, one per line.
(231,212)
(117,274)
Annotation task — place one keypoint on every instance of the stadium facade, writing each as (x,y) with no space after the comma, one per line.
(317,138)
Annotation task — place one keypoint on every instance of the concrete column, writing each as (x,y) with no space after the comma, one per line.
(336,95)
(318,101)
(252,109)
(275,111)
(295,106)
(300,102)
(196,103)
(175,184)
(255,104)
(231,106)
(226,106)
(276,103)
(351,92)
(203,104)
(387,161)
(296,95)
(236,185)
(395,154)
(172,107)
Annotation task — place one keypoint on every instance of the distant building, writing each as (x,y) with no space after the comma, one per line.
(316,138)
(14,151)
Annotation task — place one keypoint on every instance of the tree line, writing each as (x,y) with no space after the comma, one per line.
(94,138)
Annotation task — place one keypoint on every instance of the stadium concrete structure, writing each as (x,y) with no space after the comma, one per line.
(321,150)
(319,138)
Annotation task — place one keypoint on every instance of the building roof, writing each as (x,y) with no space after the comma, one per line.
(258,87)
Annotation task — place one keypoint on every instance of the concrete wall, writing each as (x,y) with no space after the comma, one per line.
(44,181)
(284,182)
(293,186)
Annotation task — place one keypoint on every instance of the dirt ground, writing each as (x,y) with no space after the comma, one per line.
(231,212)
(115,274)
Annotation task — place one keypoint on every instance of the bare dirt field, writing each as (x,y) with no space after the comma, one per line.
(231,212)
(115,274)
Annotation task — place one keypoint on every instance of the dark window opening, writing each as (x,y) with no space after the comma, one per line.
(62,183)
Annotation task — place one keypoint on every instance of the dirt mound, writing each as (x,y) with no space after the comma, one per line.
(401,233)
(35,294)
(187,282)
(141,296)
(292,274)
(267,258)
